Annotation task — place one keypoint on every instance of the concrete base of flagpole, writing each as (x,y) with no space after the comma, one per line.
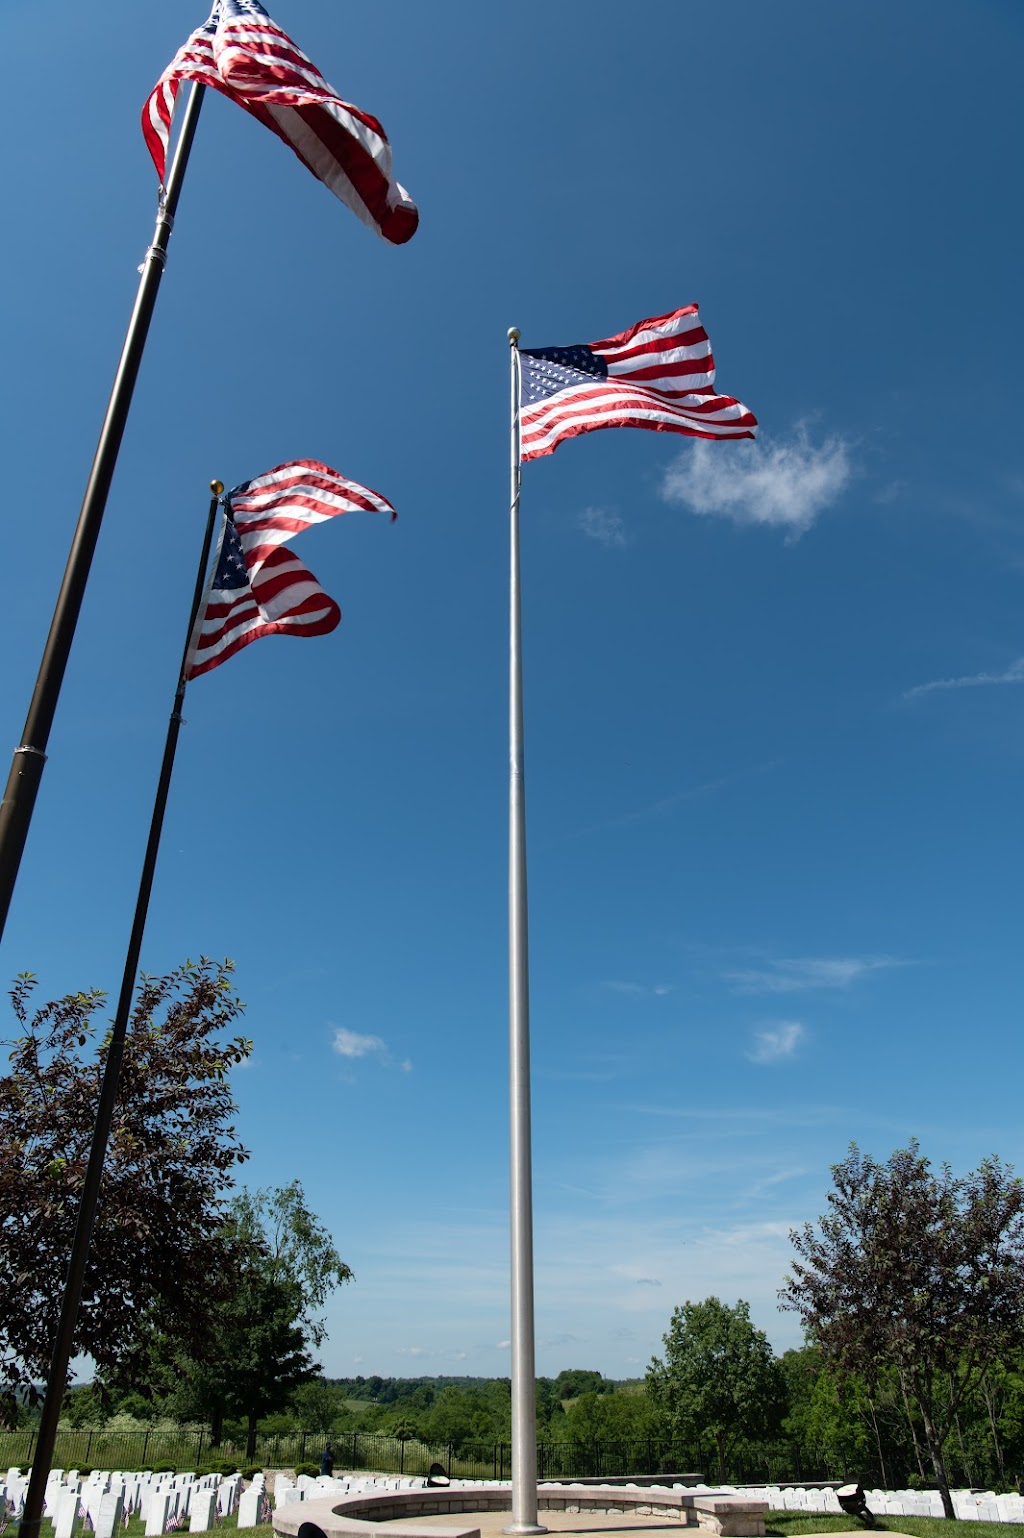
(523,1529)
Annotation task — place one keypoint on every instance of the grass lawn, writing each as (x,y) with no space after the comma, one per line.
(789,1524)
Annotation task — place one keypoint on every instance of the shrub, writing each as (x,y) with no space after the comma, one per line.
(160,1468)
(312,1469)
(248,1473)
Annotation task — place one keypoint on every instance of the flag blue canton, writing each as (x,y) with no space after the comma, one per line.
(231,573)
(546,370)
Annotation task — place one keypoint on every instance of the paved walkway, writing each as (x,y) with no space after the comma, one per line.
(491,1523)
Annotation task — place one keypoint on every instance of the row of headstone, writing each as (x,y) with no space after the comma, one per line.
(968,1505)
(105,1499)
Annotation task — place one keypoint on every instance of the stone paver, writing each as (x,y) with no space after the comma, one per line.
(491,1523)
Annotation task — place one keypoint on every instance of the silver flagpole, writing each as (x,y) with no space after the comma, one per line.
(524,1408)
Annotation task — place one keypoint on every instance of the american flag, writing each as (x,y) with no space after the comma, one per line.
(659,374)
(258,588)
(241,52)
(266,1513)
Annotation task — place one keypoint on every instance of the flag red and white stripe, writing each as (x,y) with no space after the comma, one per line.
(660,374)
(242,53)
(258,587)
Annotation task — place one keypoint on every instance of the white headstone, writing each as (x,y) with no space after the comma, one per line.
(249,1506)
(156,1518)
(203,1503)
(108,1514)
(66,1521)
(227,1496)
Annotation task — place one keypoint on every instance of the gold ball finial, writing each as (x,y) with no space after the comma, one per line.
(216,487)
(513,335)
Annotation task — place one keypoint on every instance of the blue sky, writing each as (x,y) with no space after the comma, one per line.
(773,692)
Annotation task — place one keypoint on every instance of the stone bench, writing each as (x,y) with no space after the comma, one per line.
(358,1514)
(730,1514)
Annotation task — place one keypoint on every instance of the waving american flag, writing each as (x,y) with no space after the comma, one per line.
(259,588)
(659,374)
(242,53)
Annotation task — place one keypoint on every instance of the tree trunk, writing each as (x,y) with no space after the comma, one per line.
(250,1441)
(217,1426)
(910,1423)
(720,1438)
(986,1389)
(934,1442)
(878,1442)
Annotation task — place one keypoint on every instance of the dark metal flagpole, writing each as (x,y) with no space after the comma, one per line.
(30,756)
(42,1460)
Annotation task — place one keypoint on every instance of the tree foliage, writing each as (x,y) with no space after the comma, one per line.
(719,1377)
(278,1223)
(282,1265)
(919,1272)
(172,1146)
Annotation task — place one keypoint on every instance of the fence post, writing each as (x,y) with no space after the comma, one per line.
(401,1456)
(449,1460)
(88,1447)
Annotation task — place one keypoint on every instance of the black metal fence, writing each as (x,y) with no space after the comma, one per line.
(185,1448)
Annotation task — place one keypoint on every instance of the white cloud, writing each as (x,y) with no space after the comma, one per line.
(799,974)
(1014,674)
(777,1042)
(604,526)
(350,1044)
(353,1044)
(410,1351)
(778,482)
(504,1345)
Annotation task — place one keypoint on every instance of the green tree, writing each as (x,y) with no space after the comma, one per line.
(299,1247)
(620,1416)
(719,1377)
(319,1406)
(580,1380)
(282,1265)
(172,1147)
(919,1272)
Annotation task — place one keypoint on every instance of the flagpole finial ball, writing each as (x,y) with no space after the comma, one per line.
(513,335)
(216,487)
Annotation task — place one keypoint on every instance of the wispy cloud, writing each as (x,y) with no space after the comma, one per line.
(639,990)
(353,1044)
(1014,674)
(503,1345)
(776,1043)
(668,803)
(800,974)
(781,483)
(603,525)
(411,1351)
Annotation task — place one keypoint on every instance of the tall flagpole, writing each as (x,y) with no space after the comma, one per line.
(29,757)
(524,1409)
(42,1460)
